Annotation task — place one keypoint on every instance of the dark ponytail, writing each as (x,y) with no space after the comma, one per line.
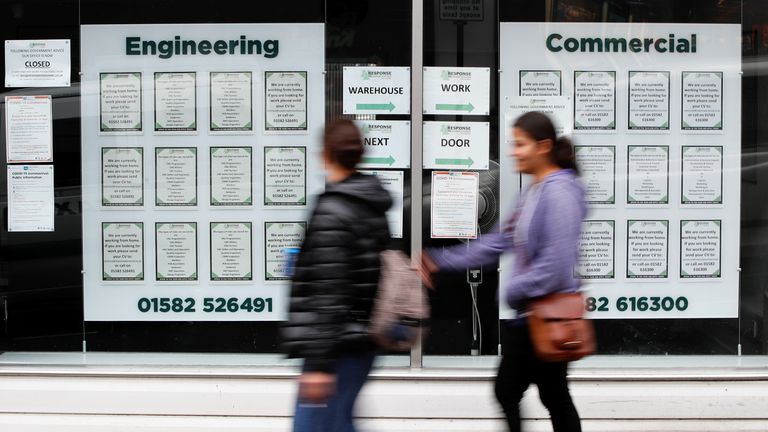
(539,127)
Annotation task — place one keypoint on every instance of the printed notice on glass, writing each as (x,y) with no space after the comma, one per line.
(376,90)
(176,251)
(285,107)
(176,102)
(231,102)
(702,101)
(231,176)
(37,63)
(647,249)
(120,103)
(596,250)
(285,176)
(28,129)
(30,198)
(599,171)
(558,108)
(456,90)
(122,176)
(231,251)
(594,100)
(538,83)
(392,181)
(456,145)
(279,236)
(648,100)
(702,175)
(700,248)
(648,175)
(454,204)
(387,144)
(122,251)
(175,176)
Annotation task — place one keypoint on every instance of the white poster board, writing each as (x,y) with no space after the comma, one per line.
(194,245)
(671,110)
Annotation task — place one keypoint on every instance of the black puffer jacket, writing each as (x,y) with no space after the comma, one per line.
(337,273)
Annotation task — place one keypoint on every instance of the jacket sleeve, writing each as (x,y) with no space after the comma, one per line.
(551,266)
(320,296)
(484,250)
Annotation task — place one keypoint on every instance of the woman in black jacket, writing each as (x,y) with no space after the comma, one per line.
(334,284)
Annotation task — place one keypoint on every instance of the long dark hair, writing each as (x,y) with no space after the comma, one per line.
(539,127)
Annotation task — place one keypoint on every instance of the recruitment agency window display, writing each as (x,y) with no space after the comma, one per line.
(654,114)
(200,152)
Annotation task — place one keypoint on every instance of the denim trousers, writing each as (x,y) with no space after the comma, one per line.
(519,368)
(335,415)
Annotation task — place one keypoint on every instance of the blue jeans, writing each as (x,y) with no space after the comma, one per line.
(336,414)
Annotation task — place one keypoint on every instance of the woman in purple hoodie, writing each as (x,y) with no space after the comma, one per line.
(543,235)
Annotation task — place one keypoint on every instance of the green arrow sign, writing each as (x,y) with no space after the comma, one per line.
(468,162)
(376,107)
(389,160)
(455,107)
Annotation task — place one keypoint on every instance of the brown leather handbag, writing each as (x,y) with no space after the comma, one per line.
(559,331)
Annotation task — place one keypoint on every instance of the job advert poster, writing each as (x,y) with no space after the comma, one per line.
(655,110)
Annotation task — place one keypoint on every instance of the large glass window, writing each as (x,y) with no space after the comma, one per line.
(156,106)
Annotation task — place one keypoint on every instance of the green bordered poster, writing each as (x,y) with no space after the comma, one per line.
(596,250)
(279,236)
(594,101)
(702,101)
(285,101)
(122,176)
(231,108)
(648,175)
(176,102)
(285,176)
(598,164)
(120,97)
(702,172)
(231,176)
(231,251)
(647,249)
(122,251)
(176,176)
(648,107)
(176,251)
(700,249)
(540,83)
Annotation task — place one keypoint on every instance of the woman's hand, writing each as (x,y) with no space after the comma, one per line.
(426,269)
(316,387)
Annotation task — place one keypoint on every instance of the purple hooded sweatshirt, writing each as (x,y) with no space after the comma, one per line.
(544,261)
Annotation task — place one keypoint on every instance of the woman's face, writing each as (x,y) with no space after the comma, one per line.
(529,153)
